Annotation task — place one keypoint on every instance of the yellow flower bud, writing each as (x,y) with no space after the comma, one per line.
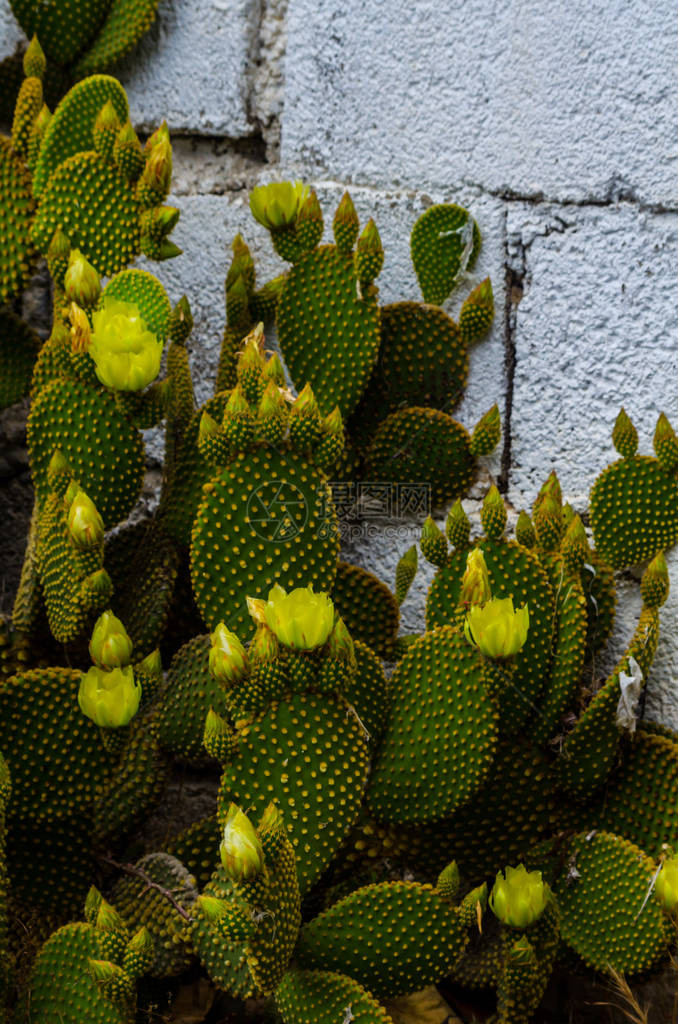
(81,282)
(475,583)
(80,329)
(110,646)
(666,885)
(241,852)
(301,619)
(111,699)
(85,525)
(228,658)
(126,354)
(496,629)
(276,206)
(519,898)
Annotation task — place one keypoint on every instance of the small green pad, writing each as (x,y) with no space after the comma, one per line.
(266,518)
(368,692)
(146,292)
(124,26)
(323,997)
(437,244)
(308,754)
(608,914)
(104,450)
(16,214)
(70,129)
(328,335)
(441,735)
(634,511)
(422,358)
(108,234)
(393,937)
(423,446)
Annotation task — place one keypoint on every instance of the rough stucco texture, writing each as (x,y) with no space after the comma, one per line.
(570,101)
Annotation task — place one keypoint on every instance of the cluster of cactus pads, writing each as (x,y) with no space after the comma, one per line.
(485,810)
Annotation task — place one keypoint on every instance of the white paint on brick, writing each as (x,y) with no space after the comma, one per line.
(571,100)
(597,328)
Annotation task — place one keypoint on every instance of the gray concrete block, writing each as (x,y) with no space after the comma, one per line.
(192,68)
(596,329)
(572,101)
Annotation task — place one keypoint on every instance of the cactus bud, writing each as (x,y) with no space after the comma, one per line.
(457,526)
(624,435)
(273,371)
(340,644)
(57,256)
(106,128)
(34,62)
(666,444)
(151,665)
(218,738)
(257,610)
(309,224)
(305,403)
(208,426)
(264,649)
(666,884)
(486,433)
(575,546)
(406,570)
(475,583)
(241,852)
(81,281)
(58,472)
(433,543)
(654,585)
(276,206)
(525,534)
(228,659)
(493,514)
(448,881)
(81,333)
(369,254)
(211,908)
(85,525)
(110,647)
(345,224)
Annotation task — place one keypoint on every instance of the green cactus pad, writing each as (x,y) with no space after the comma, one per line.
(309,754)
(109,236)
(19,346)
(367,607)
(62,867)
(65,776)
(70,130)
(190,691)
(601,915)
(328,336)
(597,579)
(16,214)
(266,518)
(437,245)
(61,987)
(323,997)
(142,563)
(146,292)
(423,446)
(124,26)
(512,811)
(514,572)
(225,962)
(368,692)
(103,449)
(144,907)
(634,511)
(393,937)
(422,358)
(64,29)
(135,785)
(441,736)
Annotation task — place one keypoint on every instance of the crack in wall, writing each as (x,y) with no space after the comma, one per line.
(515,270)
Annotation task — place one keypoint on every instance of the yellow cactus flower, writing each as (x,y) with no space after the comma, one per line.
(228,658)
(496,629)
(519,898)
(475,583)
(111,699)
(301,619)
(125,353)
(276,206)
(110,646)
(85,525)
(241,852)
(666,885)
(80,329)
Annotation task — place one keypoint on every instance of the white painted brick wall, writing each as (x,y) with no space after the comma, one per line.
(556,125)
